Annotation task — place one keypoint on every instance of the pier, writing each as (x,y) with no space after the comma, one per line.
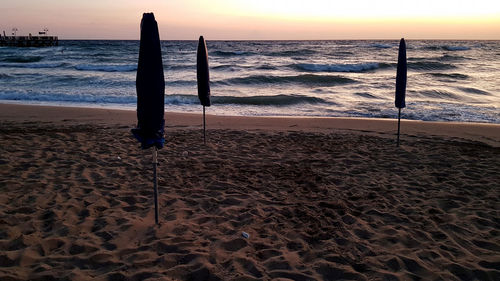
(28,41)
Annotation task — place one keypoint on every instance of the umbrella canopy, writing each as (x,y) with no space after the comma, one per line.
(401,76)
(150,86)
(202,73)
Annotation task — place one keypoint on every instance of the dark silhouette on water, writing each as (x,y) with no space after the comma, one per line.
(401,75)
(203,78)
(150,86)
(43,40)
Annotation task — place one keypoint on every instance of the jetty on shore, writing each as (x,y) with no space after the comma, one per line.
(28,41)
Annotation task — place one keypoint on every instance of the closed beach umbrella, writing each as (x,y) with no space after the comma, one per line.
(401,75)
(202,75)
(150,87)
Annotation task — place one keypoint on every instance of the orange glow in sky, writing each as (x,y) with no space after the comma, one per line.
(257,19)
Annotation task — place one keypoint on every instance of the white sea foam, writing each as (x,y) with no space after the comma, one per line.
(181,99)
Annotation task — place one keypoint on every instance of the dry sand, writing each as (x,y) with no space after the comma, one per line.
(321,198)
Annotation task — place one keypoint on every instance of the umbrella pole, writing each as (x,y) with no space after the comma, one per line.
(155,179)
(204,133)
(399,124)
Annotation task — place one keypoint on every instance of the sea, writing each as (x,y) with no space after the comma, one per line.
(447,80)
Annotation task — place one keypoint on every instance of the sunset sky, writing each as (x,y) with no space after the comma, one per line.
(257,19)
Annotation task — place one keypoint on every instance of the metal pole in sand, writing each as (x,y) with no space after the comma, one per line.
(399,123)
(155,179)
(204,132)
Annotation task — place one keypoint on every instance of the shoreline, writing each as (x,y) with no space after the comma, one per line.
(486,133)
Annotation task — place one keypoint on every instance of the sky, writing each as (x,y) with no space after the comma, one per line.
(257,19)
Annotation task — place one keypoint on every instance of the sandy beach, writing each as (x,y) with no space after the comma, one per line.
(320,198)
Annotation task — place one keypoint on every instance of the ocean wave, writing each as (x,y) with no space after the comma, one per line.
(340,54)
(179,82)
(456,76)
(34,65)
(443,58)
(438,94)
(62,97)
(236,67)
(278,100)
(168,66)
(474,91)
(4,76)
(291,53)
(456,48)
(452,58)
(381,46)
(447,48)
(222,67)
(107,67)
(451,111)
(366,95)
(430,65)
(181,99)
(266,67)
(359,67)
(68,78)
(22,59)
(103,54)
(227,67)
(307,79)
(230,53)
